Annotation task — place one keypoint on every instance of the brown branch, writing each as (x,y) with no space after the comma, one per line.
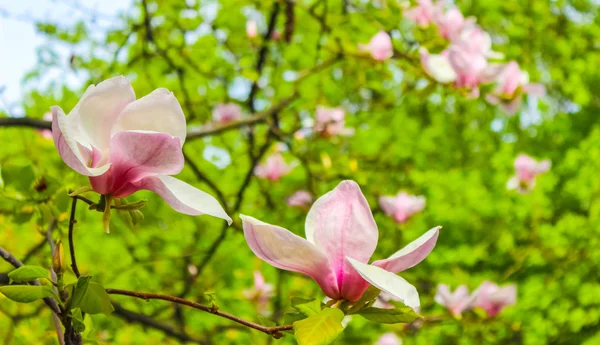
(72,222)
(25,122)
(273,331)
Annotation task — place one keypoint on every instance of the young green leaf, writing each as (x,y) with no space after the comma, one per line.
(28,273)
(79,291)
(308,307)
(96,300)
(78,323)
(320,329)
(291,317)
(398,315)
(367,298)
(26,293)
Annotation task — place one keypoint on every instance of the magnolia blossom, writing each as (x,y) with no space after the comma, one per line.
(274,168)
(251,29)
(341,236)
(301,198)
(389,339)
(437,66)
(260,293)
(125,145)
(457,301)
(46,133)
(331,121)
(424,13)
(526,169)
(380,46)
(511,83)
(493,298)
(402,206)
(228,112)
(450,23)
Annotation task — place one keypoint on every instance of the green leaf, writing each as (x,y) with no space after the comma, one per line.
(28,273)
(96,300)
(79,291)
(367,298)
(78,323)
(398,315)
(26,293)
(291,317)
(307,307)
(265,321)
(320,329)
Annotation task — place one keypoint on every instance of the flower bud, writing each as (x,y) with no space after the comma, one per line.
(58,259)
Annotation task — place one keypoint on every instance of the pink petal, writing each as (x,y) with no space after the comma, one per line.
(388,204)
(75,153)
(534,89)
(412,254)
(388,282)
(341,224)
(282,249)
(183,197)
(99,108)
(389,339)
(135,155)
(159,111)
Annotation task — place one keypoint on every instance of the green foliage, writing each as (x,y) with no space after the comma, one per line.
(90,297)
(28,273)
(397,315)
(321,328)
(26,293)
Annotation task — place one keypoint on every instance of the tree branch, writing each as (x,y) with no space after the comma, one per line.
(72,222)
(273,331)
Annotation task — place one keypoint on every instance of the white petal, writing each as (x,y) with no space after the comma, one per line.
(388,282)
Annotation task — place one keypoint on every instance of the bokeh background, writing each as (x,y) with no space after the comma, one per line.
(411,134)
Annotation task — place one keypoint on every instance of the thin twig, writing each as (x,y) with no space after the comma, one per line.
(72,222)
(273,331)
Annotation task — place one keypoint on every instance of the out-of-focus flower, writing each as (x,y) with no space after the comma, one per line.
(380,47)
(125,145)
(423,14)
(228,112)
(389,339)
(526,170)
(301,198)
(260,293)
(341,236)
(450,23)
(511,84)
(273,168)
(331,121)
(437,66)
(457,301)
(402,206)
(251,29)
(493,298)
(46,133)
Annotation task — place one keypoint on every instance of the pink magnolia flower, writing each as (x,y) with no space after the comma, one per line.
(331,121)
(125,145)
(437,66)
(46,133)
(251,29)
(450,23)
(260,293)
(301,198)
(228,112)
(274,168)
(527,169)
(402,206)
(380,46)
(341,236)
(389,339)
(493,298)
(384,301)
(457,301)
(424,13)
(511,84)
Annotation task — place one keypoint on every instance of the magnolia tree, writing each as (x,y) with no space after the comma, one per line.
(368,122)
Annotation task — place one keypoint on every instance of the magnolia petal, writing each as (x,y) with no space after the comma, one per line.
(183,197)
(388,282)
(99,108)
(285,250)
(159,111)
(412,254)
(340,224)
(65,133)
(388,204)
(437,66)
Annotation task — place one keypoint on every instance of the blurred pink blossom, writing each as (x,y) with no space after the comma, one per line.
(424,13)
(389,339)
(228,112)
(511,84)
(437,66)
(260,293)
(526,170)
(450,23)
(457,301)
(331,121)
(273,168)
(301,198)
(402,206)
(251,29)
(380,46)
(493,298)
